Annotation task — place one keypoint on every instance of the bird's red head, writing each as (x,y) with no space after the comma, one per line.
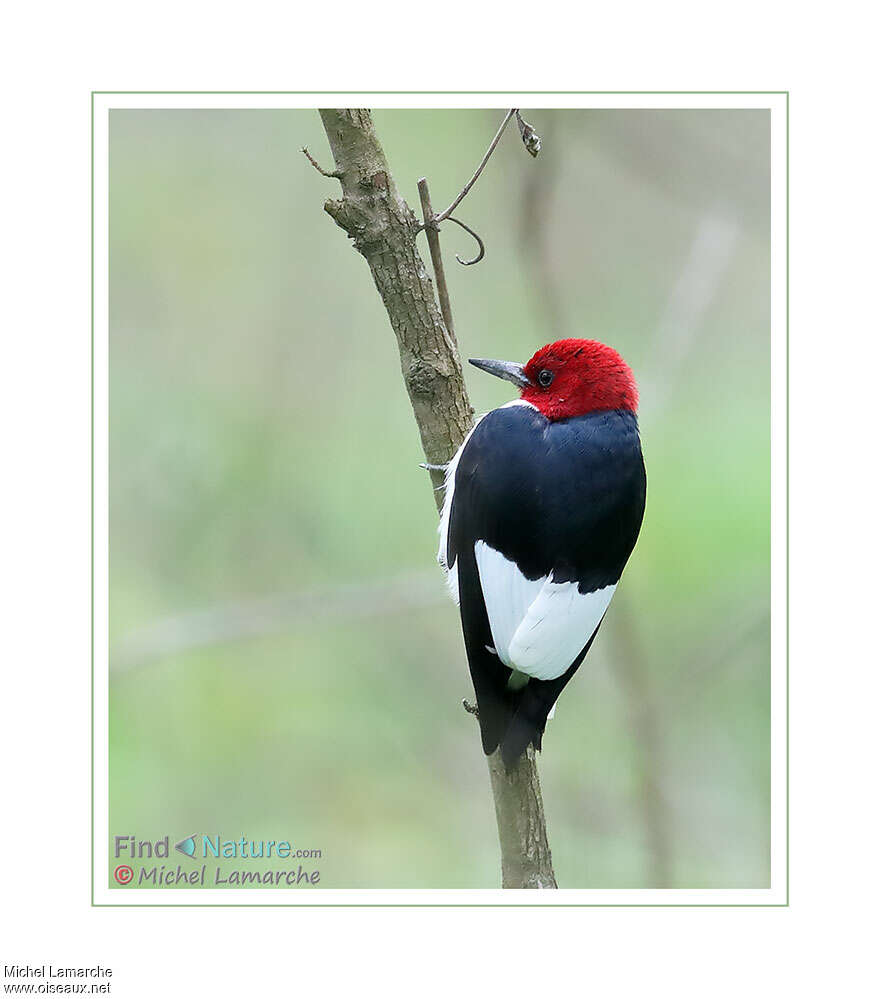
(571,378)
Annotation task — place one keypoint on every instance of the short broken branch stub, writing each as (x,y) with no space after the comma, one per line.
(336,174)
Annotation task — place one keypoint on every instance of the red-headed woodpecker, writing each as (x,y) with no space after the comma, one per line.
(543,505)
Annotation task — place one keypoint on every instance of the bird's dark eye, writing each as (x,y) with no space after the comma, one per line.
(545,377)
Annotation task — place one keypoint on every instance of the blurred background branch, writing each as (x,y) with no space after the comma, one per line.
(251,618)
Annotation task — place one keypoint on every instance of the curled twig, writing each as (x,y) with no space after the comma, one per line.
(434,227)
(481,249)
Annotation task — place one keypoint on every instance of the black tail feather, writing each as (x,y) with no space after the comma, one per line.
(531,711)
(528,724)
(495,712)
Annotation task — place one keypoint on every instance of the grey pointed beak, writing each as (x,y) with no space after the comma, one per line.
(509,370)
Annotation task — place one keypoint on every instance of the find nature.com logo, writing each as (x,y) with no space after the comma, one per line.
(268,863)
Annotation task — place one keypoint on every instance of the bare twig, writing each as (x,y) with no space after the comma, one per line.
(447,212)
(437,262)
(336,174)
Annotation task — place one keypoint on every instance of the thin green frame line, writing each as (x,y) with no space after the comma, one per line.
(787,497)
(92,502)
(417,905)
(457,92)
(443,905)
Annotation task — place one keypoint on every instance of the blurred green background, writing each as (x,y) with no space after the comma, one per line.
(284,661)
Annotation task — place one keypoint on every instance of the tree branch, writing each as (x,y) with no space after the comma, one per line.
(383,229)
(520,815)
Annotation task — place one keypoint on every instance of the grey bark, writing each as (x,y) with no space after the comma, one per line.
(383,229)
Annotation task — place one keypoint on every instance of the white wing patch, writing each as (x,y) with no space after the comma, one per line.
(556,628)
(507,594)
(538,626)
